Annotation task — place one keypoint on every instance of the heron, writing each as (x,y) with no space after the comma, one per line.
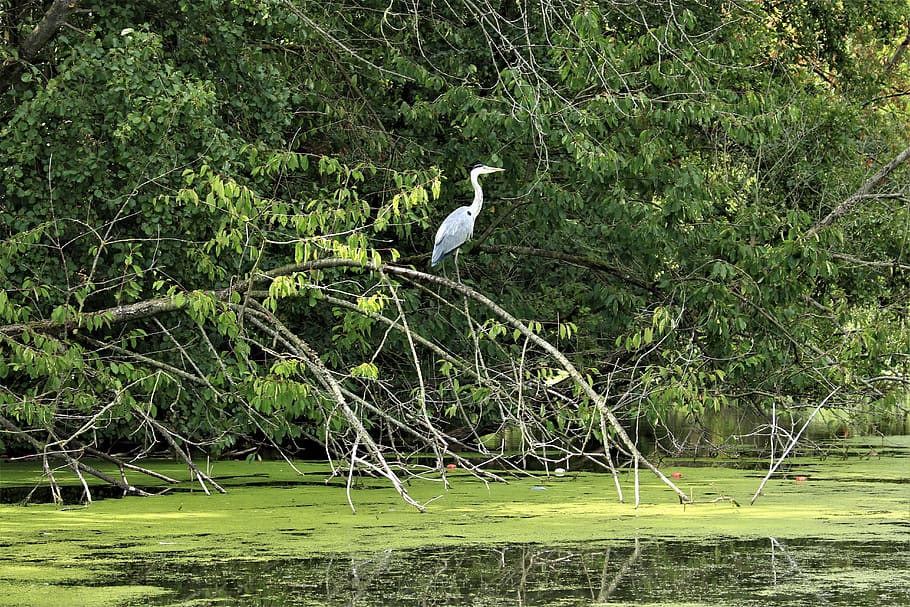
(458,227)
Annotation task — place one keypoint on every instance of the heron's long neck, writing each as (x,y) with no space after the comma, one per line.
(478,195)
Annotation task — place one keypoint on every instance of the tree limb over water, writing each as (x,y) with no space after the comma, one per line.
(268,324)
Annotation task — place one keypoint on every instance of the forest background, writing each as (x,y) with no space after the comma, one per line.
(217,219)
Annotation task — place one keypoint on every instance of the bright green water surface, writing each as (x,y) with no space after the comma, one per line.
(839,537)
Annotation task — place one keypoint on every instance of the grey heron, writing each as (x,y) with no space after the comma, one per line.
(458,227)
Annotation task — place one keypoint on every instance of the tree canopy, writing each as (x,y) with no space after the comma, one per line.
(217,218)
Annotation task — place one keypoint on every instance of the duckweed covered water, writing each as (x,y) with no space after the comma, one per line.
(840,537)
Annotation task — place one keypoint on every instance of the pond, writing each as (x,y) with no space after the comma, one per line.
(727,572)
(838,536)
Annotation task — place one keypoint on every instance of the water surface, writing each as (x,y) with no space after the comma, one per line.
(833,530)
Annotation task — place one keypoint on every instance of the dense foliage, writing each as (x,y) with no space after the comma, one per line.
(208,209)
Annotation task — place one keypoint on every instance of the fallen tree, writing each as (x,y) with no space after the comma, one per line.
(254,319)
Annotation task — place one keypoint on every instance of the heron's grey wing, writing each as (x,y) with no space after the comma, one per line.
(454,232)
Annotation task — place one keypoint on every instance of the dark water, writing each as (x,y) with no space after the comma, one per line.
(764,572)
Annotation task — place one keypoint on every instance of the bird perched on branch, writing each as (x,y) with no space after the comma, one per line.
(459,225)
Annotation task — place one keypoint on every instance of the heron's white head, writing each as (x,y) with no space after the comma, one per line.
(482,169)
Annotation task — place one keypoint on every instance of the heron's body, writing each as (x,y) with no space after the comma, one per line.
(458,227)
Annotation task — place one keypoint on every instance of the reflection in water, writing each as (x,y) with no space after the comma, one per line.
(648,572)
(791,568)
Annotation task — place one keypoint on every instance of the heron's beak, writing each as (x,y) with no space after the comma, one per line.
(496,169)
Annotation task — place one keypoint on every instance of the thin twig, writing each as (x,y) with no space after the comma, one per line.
(783,456)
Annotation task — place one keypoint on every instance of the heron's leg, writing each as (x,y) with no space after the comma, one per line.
(457,273)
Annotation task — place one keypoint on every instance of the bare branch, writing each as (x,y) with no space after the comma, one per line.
(775,465)
(47,28)
(184,454)
(895,265)
(271,325)
(873,182)
(553,352)
(69,459)
(53,20)
(898,53)
(115,315)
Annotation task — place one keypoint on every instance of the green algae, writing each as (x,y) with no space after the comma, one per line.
(48,595)
(271,514)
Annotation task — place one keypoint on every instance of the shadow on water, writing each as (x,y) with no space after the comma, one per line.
(728,572)
(75,494)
